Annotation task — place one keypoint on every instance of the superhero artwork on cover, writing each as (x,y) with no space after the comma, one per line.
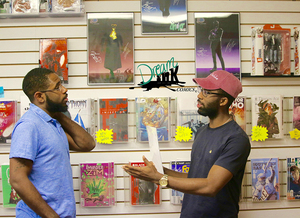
(193,120)
(113,114)
(8,119)
(97,184)
(217,43)
(293,178)
(10,196)
(143,192)
(54,56)
(153,112)
(164,16)
(296,113)
(183,167)
(110,48)
(265,179)
(267,112)
(237,111)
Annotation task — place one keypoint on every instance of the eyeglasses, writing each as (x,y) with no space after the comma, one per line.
(60,88)
(205,92)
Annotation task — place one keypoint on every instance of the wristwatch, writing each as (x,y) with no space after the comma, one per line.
(164,180)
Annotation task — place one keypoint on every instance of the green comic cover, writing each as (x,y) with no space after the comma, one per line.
(10,197)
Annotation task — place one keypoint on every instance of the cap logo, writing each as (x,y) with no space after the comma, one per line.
(215,76)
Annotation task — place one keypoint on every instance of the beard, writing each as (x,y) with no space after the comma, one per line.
(210,110)
(55,107)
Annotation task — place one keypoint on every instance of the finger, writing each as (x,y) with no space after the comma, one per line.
(146,160)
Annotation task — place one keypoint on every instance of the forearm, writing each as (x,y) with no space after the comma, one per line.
(82,139)
(174,173)
(32,197)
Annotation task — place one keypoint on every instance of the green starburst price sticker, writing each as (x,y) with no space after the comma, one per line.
(183,133)
(295,134)
(104,136)
(259,133)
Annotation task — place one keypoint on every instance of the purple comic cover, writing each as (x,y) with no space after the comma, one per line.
(217,43)
(97,184)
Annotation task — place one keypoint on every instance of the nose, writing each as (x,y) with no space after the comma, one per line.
(64,89)
(200,95)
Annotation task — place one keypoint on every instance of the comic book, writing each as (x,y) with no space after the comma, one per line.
(10,197)
(155,112)
(82,111)
(293,179)
(183,167)
(143,192)
(25,6)
(5,6)
(296,51)
(65,6)
(113,114)
(237,111)
(265,179)
(267,112)
(97,184)
(54,56)
(8,119)
(193,120)
(296,112)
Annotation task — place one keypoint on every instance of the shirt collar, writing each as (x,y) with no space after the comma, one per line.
(46,117)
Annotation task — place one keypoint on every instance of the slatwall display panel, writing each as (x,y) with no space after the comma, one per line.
(19,53)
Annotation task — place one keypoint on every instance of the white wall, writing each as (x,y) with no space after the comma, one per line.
(19,52)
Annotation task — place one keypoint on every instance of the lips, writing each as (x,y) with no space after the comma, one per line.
(199,104)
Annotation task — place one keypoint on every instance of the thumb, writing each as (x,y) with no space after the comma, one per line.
(147,162)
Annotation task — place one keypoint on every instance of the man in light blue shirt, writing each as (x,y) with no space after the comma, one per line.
(40,169)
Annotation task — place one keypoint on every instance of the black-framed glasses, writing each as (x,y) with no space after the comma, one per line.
(205,92)
(60,88)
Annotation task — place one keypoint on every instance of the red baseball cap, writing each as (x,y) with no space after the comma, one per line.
(221,79)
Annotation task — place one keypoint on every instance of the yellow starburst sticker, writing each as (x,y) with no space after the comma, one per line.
(259,133)
(104,136)
(295,134)
(183,133)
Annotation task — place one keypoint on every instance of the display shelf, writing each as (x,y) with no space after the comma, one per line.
(42,15)
(277,76)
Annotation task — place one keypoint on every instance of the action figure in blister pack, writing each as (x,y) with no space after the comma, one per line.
(272,52)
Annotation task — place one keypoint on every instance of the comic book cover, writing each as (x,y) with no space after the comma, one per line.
(154,112)
(97,184)
(113,114)
(237,111)
(296,112)
(267,112)
(193,120)
(293,178)
(265,179)
(25,6)
(5,6)
(217,38)
(8,119)
(54,56)
(183,167)
(10,197)
(143,192)
(82,111)
(65,6)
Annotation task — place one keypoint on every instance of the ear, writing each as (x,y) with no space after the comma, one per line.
(223,101)
(39,97)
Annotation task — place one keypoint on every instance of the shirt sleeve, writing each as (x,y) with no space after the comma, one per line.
(235,153)
(24,143)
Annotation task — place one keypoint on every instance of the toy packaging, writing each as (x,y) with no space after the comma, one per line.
(296,51)
(8,119)
(25,6)
(271,50)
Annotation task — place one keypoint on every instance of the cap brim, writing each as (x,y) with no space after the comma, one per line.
(205,83)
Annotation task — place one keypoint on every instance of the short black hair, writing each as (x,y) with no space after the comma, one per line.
(35,80)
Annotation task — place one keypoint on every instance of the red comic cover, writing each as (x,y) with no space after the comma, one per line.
(113,114)
(8,118)
(143,192)
(54,56)
(237,111)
